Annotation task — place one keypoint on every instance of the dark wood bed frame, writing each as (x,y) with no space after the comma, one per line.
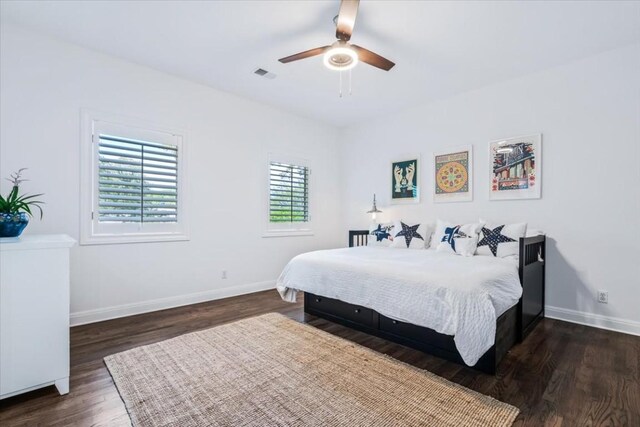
(512,326)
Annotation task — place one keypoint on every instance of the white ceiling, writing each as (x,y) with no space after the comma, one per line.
(440,48)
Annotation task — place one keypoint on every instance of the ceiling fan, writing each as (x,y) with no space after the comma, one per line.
(343,55)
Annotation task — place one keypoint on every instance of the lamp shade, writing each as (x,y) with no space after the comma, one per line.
(374,209)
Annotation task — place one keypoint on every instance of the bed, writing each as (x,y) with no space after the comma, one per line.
(470,310)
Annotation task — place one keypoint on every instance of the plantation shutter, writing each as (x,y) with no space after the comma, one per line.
(289,193)
(137,181)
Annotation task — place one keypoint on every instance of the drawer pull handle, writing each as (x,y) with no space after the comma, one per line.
(318,299)
(357,310)
(395,322)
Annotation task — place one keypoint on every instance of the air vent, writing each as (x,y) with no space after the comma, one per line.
(264,73)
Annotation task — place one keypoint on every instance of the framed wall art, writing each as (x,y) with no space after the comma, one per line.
(516,171)
(405,186)
(453,175)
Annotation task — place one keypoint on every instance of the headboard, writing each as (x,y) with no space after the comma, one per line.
(358,238)
(531,269)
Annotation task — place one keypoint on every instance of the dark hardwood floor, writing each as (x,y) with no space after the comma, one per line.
(562,375)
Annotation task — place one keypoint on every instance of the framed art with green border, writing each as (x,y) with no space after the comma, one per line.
(405,182)
(453,175)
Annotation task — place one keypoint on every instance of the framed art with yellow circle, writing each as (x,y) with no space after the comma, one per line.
(453,175)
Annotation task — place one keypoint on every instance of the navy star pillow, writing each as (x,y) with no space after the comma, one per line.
(449,235)
(469,230)
(501,240)
(409,236)
(457,241)
(380,235)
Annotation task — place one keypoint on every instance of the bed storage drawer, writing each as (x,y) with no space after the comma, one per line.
(330,306)
(416,333)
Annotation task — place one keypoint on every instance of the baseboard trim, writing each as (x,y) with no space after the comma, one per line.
(596,320)
(92,316)
(114,312)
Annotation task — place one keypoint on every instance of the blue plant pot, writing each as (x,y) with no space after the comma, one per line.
(11,225)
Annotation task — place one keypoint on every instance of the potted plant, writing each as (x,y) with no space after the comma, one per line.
(15,209)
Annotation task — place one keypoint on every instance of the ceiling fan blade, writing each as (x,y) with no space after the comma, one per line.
(374,59)
(302,55)
(346,19)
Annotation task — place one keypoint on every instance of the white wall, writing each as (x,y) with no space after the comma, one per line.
(589,114)
(44,85)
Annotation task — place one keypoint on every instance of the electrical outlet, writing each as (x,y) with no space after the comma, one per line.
(224,274)
(603,297)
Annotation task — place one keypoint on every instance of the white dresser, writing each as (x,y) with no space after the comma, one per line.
(34,313)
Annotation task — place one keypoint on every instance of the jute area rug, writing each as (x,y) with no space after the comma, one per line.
(273,371)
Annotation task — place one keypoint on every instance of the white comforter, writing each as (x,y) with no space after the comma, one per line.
(454,295)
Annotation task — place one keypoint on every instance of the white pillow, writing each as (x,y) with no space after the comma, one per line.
(380,234)
(409,236)
(466,246)
(441,228)
(458,242)
(501,240)
(430,227)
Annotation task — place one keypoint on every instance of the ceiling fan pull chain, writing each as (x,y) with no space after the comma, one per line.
(340,91)
(349,81)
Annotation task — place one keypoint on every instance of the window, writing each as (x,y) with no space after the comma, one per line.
(288,198)
(137,181)
(133,184)
(288,193)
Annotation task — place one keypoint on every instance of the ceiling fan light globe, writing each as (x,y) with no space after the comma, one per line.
(340,58)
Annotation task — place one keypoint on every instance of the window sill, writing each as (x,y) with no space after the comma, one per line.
(287,233)
(133,238)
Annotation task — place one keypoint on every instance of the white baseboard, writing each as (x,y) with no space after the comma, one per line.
(107,313)
(91,316)
(596,320)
